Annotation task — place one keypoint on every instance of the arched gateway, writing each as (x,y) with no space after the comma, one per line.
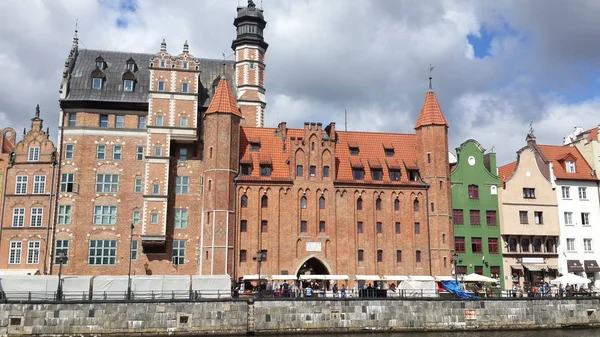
(313,266)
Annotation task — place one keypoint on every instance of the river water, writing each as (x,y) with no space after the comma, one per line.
(504,333)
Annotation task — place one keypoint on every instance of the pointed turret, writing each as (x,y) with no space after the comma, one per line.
(186,47)
(431,113)
(163,46)
(223,100)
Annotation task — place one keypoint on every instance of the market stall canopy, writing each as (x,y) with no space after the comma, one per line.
(254,277)
(478,278)
(421,278)
(368,278)
(570,279)
(444,278)
(283,277)
(336,277)
(19,272)
(395,278)
(313,277)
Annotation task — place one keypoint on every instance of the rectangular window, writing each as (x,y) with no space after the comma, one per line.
(161,85)
(105,215)
(103,121)
(243,254)
(418,256)
(243,226)
(61,246)
(354,151)
(103,252)
(473,192)
(539,218)
(245,169)
(15,252)
(394,175)
(379,255)
(101,152)
(154,218)
(303,226)
(67,182)
(478,270)
(183,154)
(361,255)
(585,219)
(358,173)
(139,155)
(570,244)
(325,171)
(184,87)
(33,252)
(398,256)
(36,217)
(181,218)
(475,217)
(264,226)
(254,146)
(458,217)
(39,184)
(359,227)
(587,245)
(136,218)
(97,83)
(570,165)
(321,226)
(163,64)
(568,218)
(107,183)
(184,65)
(158,121)
(18,218)
(155,189)
(21,185)
(476,245)
(182,185)
(417,228)
(582,193)
(264,255)
(529,193)
(493,245)
(69,151)
(525,245)
(299,171)
(523,217)
(398,228)
(379,227)
(72,119)
(117,152)
(34,154)
(459,244)
(127,85)
(376,174)
(141,122)
(490,217)
(389,152)
(566,192)
(134,250)
(265,170)
(157,151)
(120,121)
(138,185)
(313,170)
(64,214)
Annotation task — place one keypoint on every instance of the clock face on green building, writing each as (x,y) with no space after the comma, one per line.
(471,160)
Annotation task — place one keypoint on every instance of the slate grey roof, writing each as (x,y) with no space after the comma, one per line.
(80,86)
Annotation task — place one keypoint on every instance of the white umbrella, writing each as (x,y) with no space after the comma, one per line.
(477,278)
(570,279)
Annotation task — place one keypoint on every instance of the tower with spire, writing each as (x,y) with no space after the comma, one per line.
(250,48)
(431,130)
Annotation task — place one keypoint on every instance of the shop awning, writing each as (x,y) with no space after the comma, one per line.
(6,272)
(395,278)
(421,278)
(444,278)
(516,266)
(552,267)
(283,277)
(254,277)
(368,277)
(535,267)
(591,266)
(336,277)
(313,277)
(574,266)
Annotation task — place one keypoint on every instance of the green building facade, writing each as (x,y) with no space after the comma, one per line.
(475,213)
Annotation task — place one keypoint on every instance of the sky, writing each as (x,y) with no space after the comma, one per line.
(498,65)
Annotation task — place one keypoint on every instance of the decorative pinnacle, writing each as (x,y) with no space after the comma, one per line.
(37,112)
(430,77)
(186,47)
(163,46)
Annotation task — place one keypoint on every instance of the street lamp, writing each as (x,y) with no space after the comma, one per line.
(129,271)
(259,258)
(60,258)
(455,260)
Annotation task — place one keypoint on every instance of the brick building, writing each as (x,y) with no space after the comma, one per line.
(160,161)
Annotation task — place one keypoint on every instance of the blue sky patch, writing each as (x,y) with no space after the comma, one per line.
(121,23)
(482,43)
(128,6)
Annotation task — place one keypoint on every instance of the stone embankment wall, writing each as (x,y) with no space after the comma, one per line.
(269,316)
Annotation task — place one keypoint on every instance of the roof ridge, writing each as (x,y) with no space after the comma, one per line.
(149,54)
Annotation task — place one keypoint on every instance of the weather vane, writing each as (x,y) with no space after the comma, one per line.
(430,75)
(531,127)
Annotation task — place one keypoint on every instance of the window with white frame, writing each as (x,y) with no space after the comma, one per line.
(103,252)
(570,166)
(33,252)
(158,121)
(72,119)
(142,122)
(15,252)
(157,151)
(117,152)
(69,151)
(128,85)
(61,246)
(105,215)
(21,185)
(585,219)
(178,252)
(39,184)
(67,182)
(18,218)
(163,63)
(587,245)
(64,214)
(185,87)
(571,244)
(181,218)
(568,218)
(36,217)
(136,218)
(184,65)
(182,185)
(582,192)
(155,188)
(34,154)
(154,218)
(161,86)
(566,192)
(138,185)
(183,154)
(97,83)
(134,250)
(107,183)
(101,152)
(183,122)
(139,155)
(120,121)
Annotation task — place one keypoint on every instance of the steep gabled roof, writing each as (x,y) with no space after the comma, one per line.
(504,172)
(431,113)
(223,100)
(557,155)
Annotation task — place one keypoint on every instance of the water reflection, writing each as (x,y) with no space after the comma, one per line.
(504,333)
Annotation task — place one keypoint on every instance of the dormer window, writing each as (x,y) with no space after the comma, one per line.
(97,83)
(254,146)
(246,169)
(128,79)
(570,166)
(100,64)
(131,67)
(354,150)
(388,149)
(413,175)
(265,170)
(128,85)
(377,174)
(358,173)
(394,175)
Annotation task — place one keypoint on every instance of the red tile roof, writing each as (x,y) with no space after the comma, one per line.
(559,154)
(592,134)
(223,100)
(504,172)
(370,146)
(431,113)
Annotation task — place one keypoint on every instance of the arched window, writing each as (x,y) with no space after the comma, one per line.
(244,201)
(378,204)
(416,205)
(359,204)
(432,207)
(396,205)
(303,202)
(321,203)
(264,202)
